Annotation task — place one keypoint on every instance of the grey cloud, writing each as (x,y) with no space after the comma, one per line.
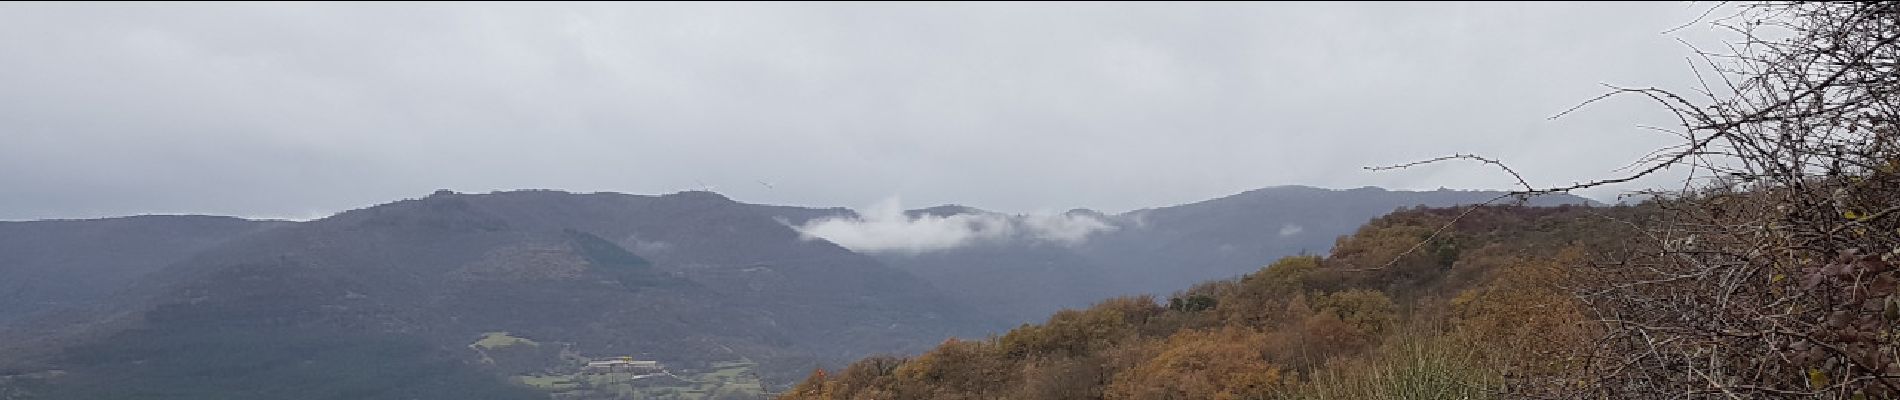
(885,228)
(1070,229)
(1291,229)
(299,110)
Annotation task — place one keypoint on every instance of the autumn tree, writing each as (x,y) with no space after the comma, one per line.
(1227,364)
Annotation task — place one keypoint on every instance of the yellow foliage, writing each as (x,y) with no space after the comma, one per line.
(1369,311)
(1525,311)
(1194,364)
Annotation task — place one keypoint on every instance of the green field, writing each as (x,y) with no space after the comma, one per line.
(735,380)
(501,339)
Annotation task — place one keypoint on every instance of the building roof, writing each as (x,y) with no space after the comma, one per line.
(611,363)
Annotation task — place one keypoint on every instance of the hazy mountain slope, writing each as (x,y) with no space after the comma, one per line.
(752,260)
(56,264)
(685,279)
(1015,282)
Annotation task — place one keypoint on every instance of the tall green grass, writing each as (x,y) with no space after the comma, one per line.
(1408,367)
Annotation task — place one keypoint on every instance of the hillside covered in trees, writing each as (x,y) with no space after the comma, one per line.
(1478,303)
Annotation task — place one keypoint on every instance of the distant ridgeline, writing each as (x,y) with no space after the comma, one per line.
(538,294)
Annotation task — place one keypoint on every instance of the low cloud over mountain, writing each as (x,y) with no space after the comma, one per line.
(887,228)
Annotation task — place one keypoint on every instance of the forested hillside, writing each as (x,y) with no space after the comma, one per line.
(1377,319)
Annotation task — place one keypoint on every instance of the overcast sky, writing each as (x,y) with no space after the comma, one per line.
(302,110)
